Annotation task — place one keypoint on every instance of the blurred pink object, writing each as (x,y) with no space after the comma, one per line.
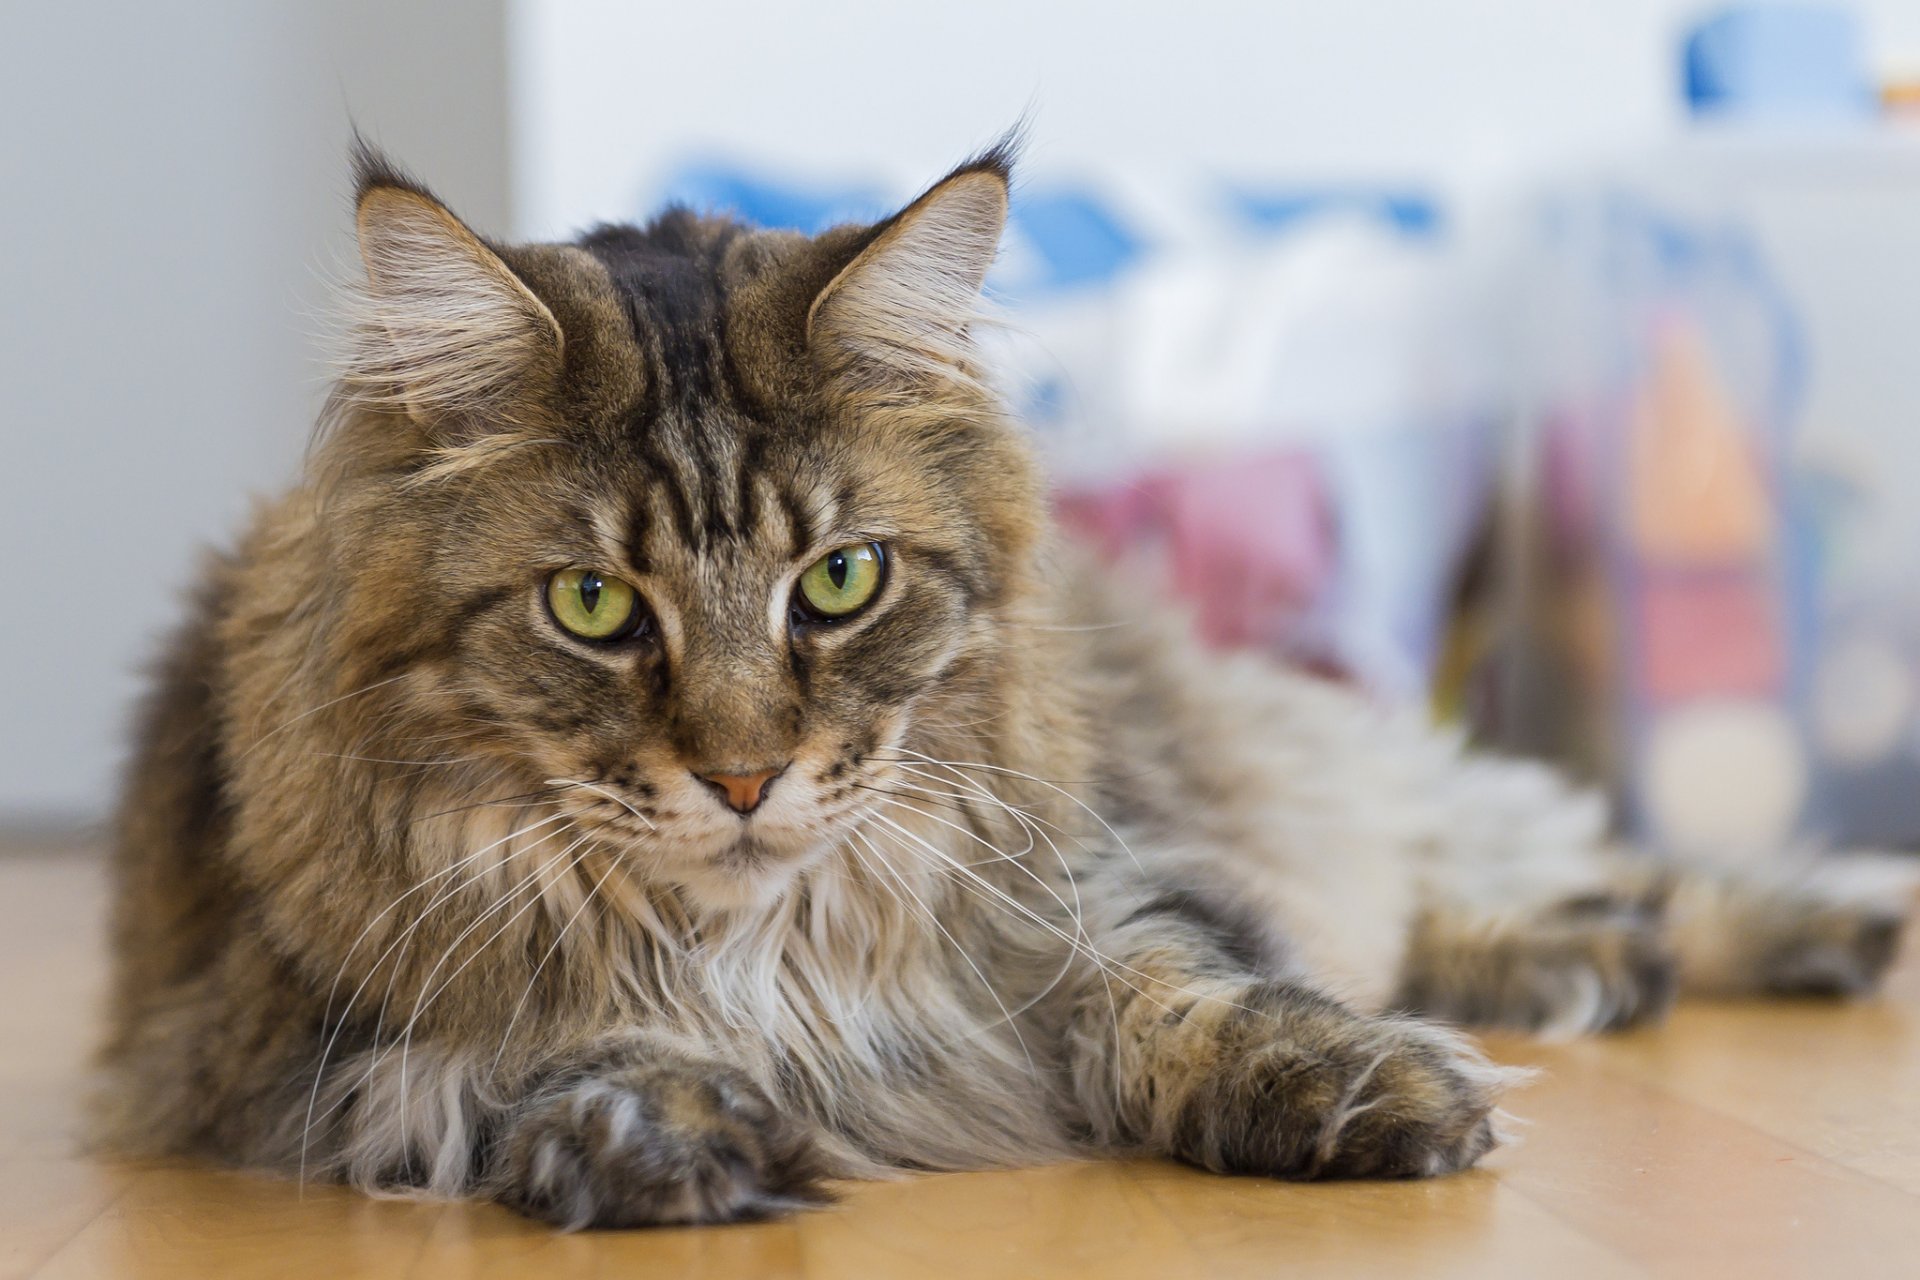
(1709,634)
(1247,541)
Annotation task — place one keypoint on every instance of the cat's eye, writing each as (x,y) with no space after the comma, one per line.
(842,582)
(594,605)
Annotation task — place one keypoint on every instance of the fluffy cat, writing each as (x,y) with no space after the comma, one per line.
(656,761)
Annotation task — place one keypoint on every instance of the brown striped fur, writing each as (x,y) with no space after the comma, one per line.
(418,891)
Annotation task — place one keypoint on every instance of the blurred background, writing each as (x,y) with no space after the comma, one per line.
(1555,365)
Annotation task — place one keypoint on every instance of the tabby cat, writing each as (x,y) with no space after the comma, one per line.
(657,761)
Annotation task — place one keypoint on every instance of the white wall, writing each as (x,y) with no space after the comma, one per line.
(174,188)
(1449,92)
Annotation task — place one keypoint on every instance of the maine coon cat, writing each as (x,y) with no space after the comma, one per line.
(656,761)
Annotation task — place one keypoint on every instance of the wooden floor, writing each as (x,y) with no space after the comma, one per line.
(1747,1141)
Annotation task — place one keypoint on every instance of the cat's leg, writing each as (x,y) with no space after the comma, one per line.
(1187,1044)
(635,1132)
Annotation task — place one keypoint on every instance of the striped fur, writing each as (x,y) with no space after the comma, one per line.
(419,892)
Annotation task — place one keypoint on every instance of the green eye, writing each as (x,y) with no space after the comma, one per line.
(843,581)
(592,605)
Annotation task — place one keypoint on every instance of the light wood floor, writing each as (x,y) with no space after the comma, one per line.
(1748,1141)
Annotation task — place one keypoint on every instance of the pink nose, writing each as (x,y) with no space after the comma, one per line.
(743,791)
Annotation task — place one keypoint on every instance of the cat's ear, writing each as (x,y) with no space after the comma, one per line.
(901,309)
(449,330)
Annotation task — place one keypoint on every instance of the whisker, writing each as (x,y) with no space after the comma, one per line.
(934,920)
(532,798)
(313,711)
(401,945)
(1103,966)
(1093,953)
(1066,967)
(603,792)
(327,1017)
(425,1002)
(980,792)
(1098,781)
(341,755)
(1034,829)
(956,766)
(377,1054)
(613,864)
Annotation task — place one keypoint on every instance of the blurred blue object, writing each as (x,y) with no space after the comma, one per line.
(1777,61)
(1070,237)
(780,206)
(1075,238)
(1409,213)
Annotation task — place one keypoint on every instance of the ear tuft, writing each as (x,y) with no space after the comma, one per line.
(373,168)
(1001,157)
(449,329)
(900,310)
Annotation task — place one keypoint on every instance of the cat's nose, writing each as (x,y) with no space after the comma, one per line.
(742,791)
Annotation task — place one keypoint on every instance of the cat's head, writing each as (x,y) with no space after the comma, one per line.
(693,523)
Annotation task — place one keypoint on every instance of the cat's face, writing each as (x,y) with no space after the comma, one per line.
(697,522)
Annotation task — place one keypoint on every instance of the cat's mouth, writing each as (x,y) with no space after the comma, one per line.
(748,854)
(747,873)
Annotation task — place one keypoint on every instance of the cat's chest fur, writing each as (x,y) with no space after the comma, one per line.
(904,976)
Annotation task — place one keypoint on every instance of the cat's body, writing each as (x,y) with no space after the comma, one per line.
(418,888)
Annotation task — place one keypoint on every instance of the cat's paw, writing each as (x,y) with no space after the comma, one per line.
(1330,1093)
(1832,950)
(1595,964)
(652,1144)
(1829,928)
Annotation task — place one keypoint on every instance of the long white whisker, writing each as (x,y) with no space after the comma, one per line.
(613,864)
(405,940)
(941,857)
(957,765)
(424,764)
(976,790)
(333,990)
(314,711)
(934,920)
(1028,821)
(1046,990)
(425,1001)
(1013,860)
(1022,815)
(604,793)
(1093,953)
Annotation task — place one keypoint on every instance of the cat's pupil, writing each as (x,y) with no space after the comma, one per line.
(590,591)
(837,570)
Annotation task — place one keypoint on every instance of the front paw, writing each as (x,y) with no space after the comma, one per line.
(657,1143)
(1311,1089)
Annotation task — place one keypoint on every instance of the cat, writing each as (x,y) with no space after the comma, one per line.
(659,760)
